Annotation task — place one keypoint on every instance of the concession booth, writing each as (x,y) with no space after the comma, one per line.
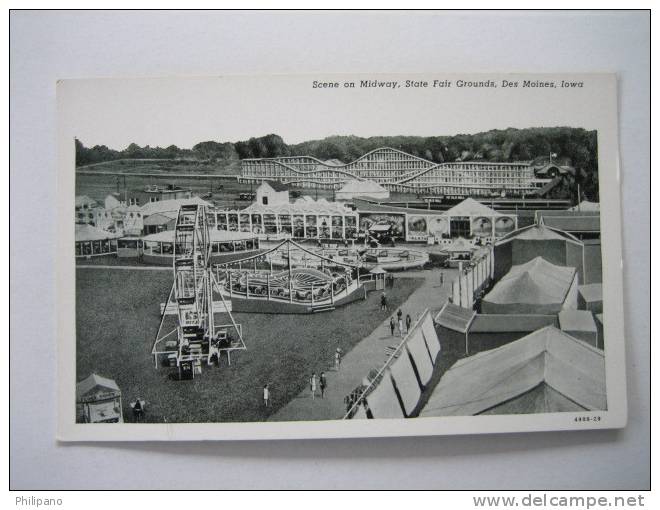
(98,400)
(92,241)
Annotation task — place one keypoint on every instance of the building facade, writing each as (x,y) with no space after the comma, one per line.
(398,171)
(304,219)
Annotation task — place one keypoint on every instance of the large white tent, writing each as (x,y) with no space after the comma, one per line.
(555,246)
(547,362)
(534,287)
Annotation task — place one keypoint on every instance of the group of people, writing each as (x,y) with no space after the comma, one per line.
(316,383)
(400,323)
(321,383)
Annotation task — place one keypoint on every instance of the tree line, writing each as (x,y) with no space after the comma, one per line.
(574,147)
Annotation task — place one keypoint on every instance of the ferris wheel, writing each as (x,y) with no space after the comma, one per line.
(196,337)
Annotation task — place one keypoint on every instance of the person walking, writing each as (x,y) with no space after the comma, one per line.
(400,327)
(392,325)
(323,384)
(408,322)
(399,314)
(337,359)
(266,395)
(383,302)
(137,410)
(312,385)
(442,278)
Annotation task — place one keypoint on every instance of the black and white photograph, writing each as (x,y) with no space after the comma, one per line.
(282,249)
(336,250)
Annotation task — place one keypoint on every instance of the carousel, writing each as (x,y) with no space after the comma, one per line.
(290,278)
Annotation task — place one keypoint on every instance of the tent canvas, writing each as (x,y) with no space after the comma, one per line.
(383,402)
(455,317)
(432,342)
(94,386)
(405,379)
(534,287)
(590,297)
(421,356)
(541,398)
(579,324)
(538,232)
(486,380)
(360,413)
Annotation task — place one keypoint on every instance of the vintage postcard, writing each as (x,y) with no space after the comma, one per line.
(297,256)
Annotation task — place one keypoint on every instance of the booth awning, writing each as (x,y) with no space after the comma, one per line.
(96,387)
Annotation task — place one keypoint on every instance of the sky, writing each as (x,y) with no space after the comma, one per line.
(185,111)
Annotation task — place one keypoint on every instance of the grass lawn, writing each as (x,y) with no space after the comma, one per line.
(117,319)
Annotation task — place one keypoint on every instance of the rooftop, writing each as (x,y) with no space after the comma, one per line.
(479,383)
(591,291)
(538,232)
(275,185)
(303,205)
(171,205)
(577,320)
(357,186)
(91,233)
(535,282)
(470,207)
(571,221)
(455,317)
(94,381)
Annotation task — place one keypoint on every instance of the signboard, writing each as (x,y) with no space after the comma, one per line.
(417,228)
(482,226)
(397,222)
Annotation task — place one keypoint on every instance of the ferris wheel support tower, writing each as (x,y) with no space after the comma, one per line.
(198,338)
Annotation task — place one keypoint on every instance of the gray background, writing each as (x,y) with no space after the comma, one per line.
(46,46)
